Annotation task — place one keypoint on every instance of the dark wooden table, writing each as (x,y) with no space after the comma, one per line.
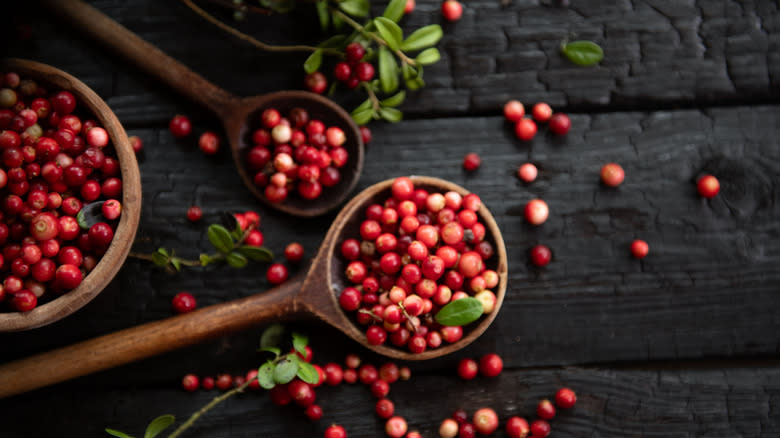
(681,344)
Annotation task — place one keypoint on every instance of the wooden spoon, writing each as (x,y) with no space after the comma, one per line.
(238,115)
(314,295)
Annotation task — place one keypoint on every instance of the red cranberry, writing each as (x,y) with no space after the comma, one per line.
(313,412)
(384,408)
(485,421)
(376,335)
(565,398)
(365,134)
(545,410)
(708,186)
(395,427)
(467,369)
(380,388)
(612,174)
(541,255)
(490,365)
(68,276)
(279,395)
(471,161)
(277,273)
(542,112)
(639,248)
(100,234)
(208,143)
(64,102)
(316,82)
(180,126)
(536,211)
(24,301)
(111,209)
(448,428)
(354,52)
(365,71)
(97,137)
(527,172)
(525,129)
(540,429)
(44,226)
(183,302)
(517,427)
(190,382)
(194,213)
(293,252)
(335,431)
(560,124)
(452,10)
(342,71)
(514,111)
(225,382)
(136,143)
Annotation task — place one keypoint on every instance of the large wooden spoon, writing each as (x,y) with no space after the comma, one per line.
(315,295)
(237,114)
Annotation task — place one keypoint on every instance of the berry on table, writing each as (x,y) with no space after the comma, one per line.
(612,174)
(545,410)
(183,302)
(136,143)
(536,211)
(541,255)
(527,172)
(208,143)
(365,134)
(565,398)
(190,382)
(335,431)
(514,111)
(180,126)
(542,112)
(448,428)
(639,248)
(560,124)
(471,161)
(313,412)
(315,82)
(491,365)
(396,427)
(409,7)
(194,213)
(452,10)
(467,369)
(293,252)
(708,186)
(276,273)
(385,408)
(525,129)
(517,427)
(485,421)
(540,429)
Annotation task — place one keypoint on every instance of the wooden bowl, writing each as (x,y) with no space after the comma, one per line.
(112,260)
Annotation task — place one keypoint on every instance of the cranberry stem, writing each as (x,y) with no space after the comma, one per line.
(255,42)
(217,400)
(357,26)
(371,95)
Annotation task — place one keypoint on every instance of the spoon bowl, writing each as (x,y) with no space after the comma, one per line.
(238,115)
(313,295)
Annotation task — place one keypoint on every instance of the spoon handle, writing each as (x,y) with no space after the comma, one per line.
(139,52)
(149,339)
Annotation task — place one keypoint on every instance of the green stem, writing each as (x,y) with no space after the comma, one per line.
(360,28)
(257,43)
(148,257)
(217,400)
(371,95)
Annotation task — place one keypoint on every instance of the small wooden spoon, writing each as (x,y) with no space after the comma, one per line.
(315,295)
(237,114)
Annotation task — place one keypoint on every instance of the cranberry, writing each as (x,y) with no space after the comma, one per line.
(514,111)
(279,395)
(536,211)
(525,129)
(517,427)
(527,172)
(565,398)
(540,429)
(545,410)
(335,431)
(395,427)
(471,161)
(365,134)
(183,302)
(365,71)
(448,428)
(354,52)
(376,335)
(224,381)
(24,301)
(384,408)
(612,174)
(542,112)
(313,412)
(342,71)
(194,213)
(560,124)
(639,248)
(70,255)
(293,252)
(467,369)
(190,382)
(541,255)
(380,388)
(68,276)
(452,334)
(452,10)
(276,273)
(315,82)
(100,234)
(408,8)
(708,186)
(367,374)
(180,126)
(97,137)
(470,264)
(136,143)
(111,209)
(64,102)
(208,143)
(490,365)
(44,226)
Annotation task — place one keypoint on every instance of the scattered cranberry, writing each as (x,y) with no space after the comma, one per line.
(194,213)
(395,427)
(313,412)
(409,7)
(448,428)
(277,273)
(208,383)
(514,111)
(525,129)
(452,10)
(541,255)
(316,82)
(490,365)
(136,143)
(293,252)
(208,143)
(335,431)
(384,408)
(190,382)
(485,421)
(542,112)
(471,161)
(536,211)
(527,172)
(639,248)
(183,302)
(612,174)
(560,124)
(365,134)
(708,186)
(565,398)
(517,427)
(467,369)
(180,126)
(540,429)
(545,410)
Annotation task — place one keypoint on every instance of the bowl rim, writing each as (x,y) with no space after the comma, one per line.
(110,263)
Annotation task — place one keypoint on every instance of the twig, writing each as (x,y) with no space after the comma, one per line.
(217,400)
(357,26)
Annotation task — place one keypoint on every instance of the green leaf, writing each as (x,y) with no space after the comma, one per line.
(236,260)
(584,53)
(391,114)
(285,371)
(395,100)
(204,259)
(313,62)
(265,375)
(323,14)
(159,259)
(256,253)
(388,70)
(308,373)
(82,220)
(163,251)
(337,21)
(423,37)
(117,433)
(158,425)
(219,236)
(428,56)
(272,336)
(362,117)
(460,312)
(299,343)
(363,106)
(407,71)
(275,350)
(395,10)
(390,31)
(358,8)
(176,262)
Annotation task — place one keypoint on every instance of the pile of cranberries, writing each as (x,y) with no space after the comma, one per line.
(54,161)
(415,253)
(526,127)
(295,153)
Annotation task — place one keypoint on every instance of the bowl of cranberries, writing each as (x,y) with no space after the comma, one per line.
(300,152)
(62,153)
(408,250)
